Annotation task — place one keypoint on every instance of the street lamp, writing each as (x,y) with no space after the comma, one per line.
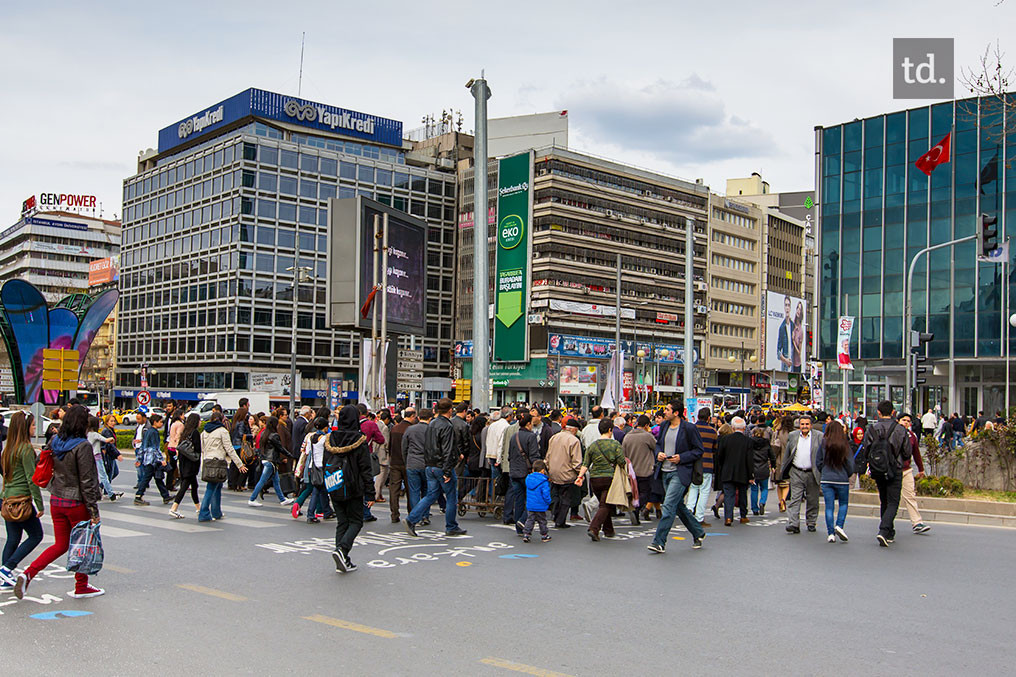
(300,274)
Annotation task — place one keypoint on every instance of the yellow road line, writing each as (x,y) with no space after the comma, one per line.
(347,625)
(521,667)
(211,592)
(119,570)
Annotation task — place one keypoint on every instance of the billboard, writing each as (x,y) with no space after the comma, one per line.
(103,271)
(351,265)
(512,256)
(786,329)
(578,379)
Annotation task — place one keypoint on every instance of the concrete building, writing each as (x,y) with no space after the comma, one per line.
(214,221)
(587,210)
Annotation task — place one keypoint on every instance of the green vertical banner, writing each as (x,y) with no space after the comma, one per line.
(511,261)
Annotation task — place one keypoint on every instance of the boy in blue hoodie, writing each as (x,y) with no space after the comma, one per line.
(537,501)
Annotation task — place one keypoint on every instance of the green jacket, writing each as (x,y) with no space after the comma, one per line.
(601,457)
(20,482)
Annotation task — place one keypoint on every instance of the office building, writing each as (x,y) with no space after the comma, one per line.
(878,211)
(217,217)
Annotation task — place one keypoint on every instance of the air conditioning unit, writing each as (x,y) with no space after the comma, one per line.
(702,309)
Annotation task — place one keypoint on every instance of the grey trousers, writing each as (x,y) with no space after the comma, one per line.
(802,484)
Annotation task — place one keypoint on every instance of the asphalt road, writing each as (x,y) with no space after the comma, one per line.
(257,594)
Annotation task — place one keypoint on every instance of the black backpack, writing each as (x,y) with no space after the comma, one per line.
(880,456)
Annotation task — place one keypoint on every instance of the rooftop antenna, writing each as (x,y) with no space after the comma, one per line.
(299,83)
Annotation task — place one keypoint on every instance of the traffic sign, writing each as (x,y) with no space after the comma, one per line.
(405,354)
(144,398)
(409,386)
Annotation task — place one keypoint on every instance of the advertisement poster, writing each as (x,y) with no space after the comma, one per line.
(786,328)
(511,258)
(273,384)
(577,346)
(407,276)
(845,329)
(578,379)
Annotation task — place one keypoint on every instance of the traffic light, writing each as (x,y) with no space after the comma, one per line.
(917,348)
(988,236)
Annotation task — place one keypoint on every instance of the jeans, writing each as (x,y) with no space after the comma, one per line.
(495,472)
(268,472)
(147,473)
(14,549)
(759,494)
(348,521)
(416,482)
(64,520)
(889,499)
(733,491)
(698,496)
(103,477)
(435,486)
(211,502)
(515,504)
(831,493)
(673,505)
(536,518)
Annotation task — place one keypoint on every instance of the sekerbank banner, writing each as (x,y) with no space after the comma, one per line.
(283,108)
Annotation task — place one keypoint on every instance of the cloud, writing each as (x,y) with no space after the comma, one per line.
(680,122)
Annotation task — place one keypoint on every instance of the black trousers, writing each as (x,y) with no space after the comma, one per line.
(188,483)
(348,521)
(889,499)
(560,502)
(732,491)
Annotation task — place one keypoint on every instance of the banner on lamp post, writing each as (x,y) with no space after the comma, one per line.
(845,331)
(512,257)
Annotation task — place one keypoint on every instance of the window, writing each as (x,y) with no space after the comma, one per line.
(365,174)
(266,182)
(266,209)
(289,159)
(269,155)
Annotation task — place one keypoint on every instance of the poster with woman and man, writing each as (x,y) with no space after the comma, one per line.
(785,332)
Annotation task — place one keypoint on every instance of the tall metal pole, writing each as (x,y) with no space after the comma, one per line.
(292,355)
(844,398)
(618,364)
(481,230)
(689,310)
(1005,334)
(372,393)
(382,369)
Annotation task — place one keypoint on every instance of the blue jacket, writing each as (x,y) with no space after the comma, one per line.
(537,492)
(689,446)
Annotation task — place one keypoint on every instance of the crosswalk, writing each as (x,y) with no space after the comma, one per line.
(123,519)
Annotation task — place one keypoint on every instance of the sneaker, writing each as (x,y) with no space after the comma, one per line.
(921,528)
(831,539)
(411,528)
(592,534)
(256,504)
(87,591)
(115,495)
(6,587)
(370,518)
(811,528)
(7,578)
(396,520)
(340,562)
(697,543)
(166,500)
(562,526)
(140,501)
(296,511)
(655,549)
(289,501)
(455,532)
(20,585)
(793,530)
(525,539)
(883,541)
(313,520)
(544,539)
(841,533)
(575,518)
(176,515)
(425,522)
(349,565)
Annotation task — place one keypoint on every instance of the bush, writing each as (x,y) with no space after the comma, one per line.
(939,486)
(868,484)
(124,439)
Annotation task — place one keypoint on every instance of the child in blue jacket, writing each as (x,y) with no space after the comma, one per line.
(537,501)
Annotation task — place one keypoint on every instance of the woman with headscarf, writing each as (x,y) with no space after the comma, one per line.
(348,478)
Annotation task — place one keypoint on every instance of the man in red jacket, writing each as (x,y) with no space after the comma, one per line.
(908,493)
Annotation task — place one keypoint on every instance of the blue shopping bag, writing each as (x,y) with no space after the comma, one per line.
(84,556)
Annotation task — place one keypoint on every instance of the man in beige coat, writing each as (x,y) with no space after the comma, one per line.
(564,458)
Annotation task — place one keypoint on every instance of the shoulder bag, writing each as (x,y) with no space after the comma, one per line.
(214,470)
(16,508)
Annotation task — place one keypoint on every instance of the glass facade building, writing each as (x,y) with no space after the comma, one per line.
(210,229)
(877,210)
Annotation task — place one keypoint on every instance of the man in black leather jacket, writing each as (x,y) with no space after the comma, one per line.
(440,455)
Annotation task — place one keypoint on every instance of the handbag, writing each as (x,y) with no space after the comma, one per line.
(620,489)
(43,469)
(247,453)
(186,450)
(214,470)
(590,504)
(16,508)
(84,556)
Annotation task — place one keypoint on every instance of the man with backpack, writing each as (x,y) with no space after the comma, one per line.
(885,448)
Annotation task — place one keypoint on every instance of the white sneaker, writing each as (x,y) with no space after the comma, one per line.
(841,533)
(256,504)
(289,501)
(831,539)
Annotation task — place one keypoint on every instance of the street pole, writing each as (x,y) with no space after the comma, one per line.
(296,313)
(372,392)
(1005,316)
(844,398)
(481,230)
(384,317)
(689,301)
(618,364)
(908,320)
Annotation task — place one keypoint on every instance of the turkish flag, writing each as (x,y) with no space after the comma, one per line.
(365,308)
(936,156)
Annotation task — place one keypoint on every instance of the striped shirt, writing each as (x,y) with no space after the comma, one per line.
(708,435)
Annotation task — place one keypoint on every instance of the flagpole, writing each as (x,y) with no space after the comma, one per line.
(952,266)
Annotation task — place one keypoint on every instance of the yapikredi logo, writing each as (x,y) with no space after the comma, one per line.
(923,68)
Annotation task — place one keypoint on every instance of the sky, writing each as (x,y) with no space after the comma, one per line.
(694,90)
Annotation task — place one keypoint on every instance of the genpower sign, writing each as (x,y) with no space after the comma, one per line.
(512,257)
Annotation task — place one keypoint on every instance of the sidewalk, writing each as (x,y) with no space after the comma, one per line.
(950,510)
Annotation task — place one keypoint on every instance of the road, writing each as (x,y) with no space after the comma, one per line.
(257,593)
